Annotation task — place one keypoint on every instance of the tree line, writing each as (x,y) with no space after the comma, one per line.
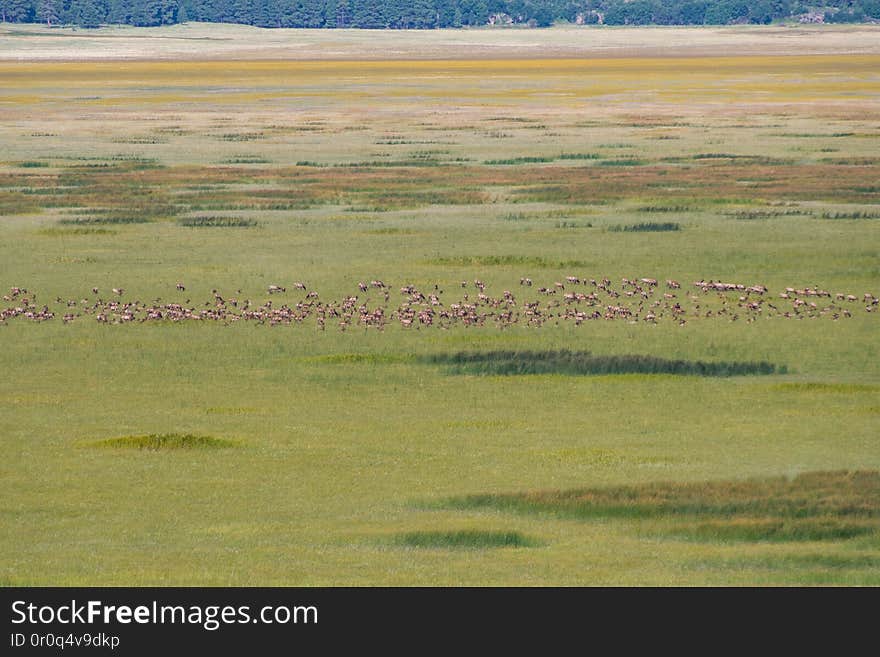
(428,14)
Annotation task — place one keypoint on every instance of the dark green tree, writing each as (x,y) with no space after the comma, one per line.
(86,13)
(49,11)
(16,11)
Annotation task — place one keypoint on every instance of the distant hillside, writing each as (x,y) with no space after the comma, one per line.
(430,14)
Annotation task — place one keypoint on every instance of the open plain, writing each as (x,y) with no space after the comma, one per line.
(482,307)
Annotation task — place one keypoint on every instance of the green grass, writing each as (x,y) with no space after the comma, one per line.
(817,506)
(520,160)
(646,227)
(466,539)
(217,222)
(776,530)
(621,162)
(519,363)
(104,220)
(851,215)
(348,439)
(505,261)
(165,441)
(665,208)
(579,156)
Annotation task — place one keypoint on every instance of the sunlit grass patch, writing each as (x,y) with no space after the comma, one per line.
(164,441)
(574,363)
(465,539)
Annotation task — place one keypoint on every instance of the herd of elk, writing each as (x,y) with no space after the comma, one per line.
(574,299)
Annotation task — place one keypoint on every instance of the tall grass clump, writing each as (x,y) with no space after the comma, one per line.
(520,160)
(514,363)
(106,220)
(624,162)
(646,227)
(665,208)
(164,441)
(506,260)
(812,506)
(466,539)
(217,222)
(851,215)
(579,156)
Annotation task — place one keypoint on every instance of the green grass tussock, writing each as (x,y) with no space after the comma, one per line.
(164,441)
(106,220)
(563,361)
(623,162)
(811,506)
(775,530)
(646,227)
(82,230)
(352,359)
(851,215)
(520,160)
(505,261)
(217,222)
(838,388)
(466,539)
(579,156)
(748,215)
(665,208)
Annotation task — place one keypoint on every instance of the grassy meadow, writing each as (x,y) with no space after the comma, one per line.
(612,449)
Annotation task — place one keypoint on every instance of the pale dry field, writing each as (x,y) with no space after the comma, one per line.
(229,42)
